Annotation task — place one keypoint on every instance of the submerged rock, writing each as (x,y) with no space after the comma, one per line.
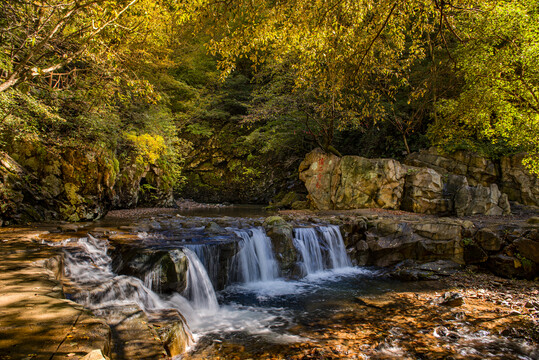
(173,331)
(409,270)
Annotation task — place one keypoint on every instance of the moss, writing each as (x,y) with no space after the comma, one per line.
(274,221)
(71,193)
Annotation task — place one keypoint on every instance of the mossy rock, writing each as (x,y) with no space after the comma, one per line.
(300,205)
(274,221)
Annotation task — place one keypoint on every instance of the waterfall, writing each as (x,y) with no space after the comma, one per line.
(210,256)
(306,242)
(335,245)
(255,260)
(320,248)
(89,267)
(152,279)
(199,288)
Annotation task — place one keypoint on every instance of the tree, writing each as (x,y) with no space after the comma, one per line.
(498,60)
(39,38)
(348,58)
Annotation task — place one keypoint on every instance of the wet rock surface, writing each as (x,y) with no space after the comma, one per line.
(281,234)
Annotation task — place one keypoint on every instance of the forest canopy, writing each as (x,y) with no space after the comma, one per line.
(381,78)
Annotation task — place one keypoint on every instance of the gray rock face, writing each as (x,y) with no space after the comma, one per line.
(472,200)
(389,241)
(423,192)
(478,170)
(508,250)
(317,172)
(353,182)
(514,179)
(517,182)
(368,183)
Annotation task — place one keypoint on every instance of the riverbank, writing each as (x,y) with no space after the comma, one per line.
(36,320)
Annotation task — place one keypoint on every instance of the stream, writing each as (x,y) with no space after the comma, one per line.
(231,297)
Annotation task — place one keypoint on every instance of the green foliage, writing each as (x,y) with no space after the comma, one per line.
(200,129)
(499,100)
(235,93)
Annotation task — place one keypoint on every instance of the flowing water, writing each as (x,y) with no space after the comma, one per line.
(256,306)
(255,260)
(199,288)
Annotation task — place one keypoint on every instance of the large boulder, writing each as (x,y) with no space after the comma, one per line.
(473,200)
(509,266)
(352,182)
(517,182)
(368,183)
(161,270)
(477,169)
(390,241)
(317,171)
(423,192)
(176,336)
(488,240)
(528,248)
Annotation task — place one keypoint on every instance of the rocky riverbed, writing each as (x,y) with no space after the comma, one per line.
(465,313)
(497,319)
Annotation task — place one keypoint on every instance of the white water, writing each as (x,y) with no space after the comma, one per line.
(306,242)
(255,260)
(199,288)
(321,248)
(152,279)
(254,266)
(335,245)
(89,266)
(209,255)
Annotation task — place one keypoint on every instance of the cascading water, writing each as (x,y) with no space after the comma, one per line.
(91,270)
(306,242)
(209,255)
(335,246)
(254,307)
(255,260)
(320,248)
(199,288)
